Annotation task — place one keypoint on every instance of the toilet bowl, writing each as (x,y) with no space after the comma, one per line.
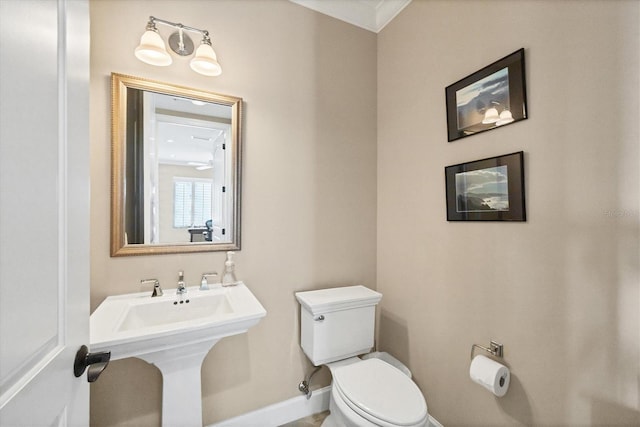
(372,393)
(337,324)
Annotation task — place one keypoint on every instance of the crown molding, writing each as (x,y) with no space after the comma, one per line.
(372,15)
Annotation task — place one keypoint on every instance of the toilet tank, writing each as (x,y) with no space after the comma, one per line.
(337,323)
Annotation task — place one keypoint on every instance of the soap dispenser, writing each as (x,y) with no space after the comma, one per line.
(228,274)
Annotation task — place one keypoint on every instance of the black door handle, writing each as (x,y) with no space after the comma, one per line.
(96,362)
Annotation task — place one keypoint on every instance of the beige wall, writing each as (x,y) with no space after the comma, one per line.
(559,291)
(309,186)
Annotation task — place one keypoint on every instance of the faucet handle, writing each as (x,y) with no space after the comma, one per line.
(157,290)
(204,284)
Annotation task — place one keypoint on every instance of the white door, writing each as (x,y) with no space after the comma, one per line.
(44,211)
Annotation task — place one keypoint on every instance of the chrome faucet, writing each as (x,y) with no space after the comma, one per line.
(157,290)
(182,289)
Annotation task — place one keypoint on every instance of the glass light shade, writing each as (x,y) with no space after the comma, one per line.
(505,117)
(152,50)
(491,116)
(205,61)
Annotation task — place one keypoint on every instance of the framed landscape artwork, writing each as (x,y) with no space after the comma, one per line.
(492,97)
(486,190)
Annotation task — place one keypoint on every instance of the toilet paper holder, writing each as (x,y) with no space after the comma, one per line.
(495,348)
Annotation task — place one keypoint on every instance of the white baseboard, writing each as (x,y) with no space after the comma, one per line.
(289,410)
(282,412)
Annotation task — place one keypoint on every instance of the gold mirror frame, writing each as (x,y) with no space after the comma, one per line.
(119,85)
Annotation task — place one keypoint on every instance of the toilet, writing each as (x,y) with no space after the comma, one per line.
(337,326)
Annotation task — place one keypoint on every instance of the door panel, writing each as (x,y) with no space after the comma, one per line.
(44,210)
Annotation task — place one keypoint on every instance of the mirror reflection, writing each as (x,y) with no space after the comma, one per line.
(175,169)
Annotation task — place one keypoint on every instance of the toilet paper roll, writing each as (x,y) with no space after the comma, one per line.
(490,374)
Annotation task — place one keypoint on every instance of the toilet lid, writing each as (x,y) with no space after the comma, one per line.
(378,391)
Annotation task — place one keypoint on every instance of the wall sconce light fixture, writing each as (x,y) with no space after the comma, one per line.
(152,50)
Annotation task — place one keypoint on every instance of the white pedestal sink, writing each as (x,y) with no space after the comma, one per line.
(175,333)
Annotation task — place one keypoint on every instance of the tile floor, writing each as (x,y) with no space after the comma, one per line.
(312,421)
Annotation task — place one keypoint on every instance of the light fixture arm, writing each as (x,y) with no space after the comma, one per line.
(153,20)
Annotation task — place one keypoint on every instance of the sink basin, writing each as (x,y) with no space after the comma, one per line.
(174,333)
(142,314)
(134,324)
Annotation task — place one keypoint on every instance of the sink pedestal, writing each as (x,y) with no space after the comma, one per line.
(181,382)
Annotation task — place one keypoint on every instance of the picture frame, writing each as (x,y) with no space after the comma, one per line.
(492,97)
(490,189)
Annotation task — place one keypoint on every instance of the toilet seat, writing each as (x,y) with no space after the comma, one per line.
(380,393)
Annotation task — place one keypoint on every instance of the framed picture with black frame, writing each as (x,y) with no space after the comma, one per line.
(486,190)
(492,97)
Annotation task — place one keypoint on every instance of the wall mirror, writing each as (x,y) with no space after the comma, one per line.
(175,168)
